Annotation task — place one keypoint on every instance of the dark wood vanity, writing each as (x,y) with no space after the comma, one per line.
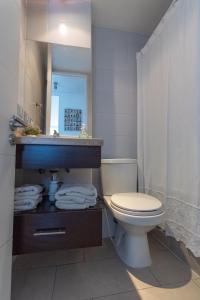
(48,228)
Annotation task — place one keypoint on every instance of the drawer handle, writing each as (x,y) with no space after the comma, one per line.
(48,232)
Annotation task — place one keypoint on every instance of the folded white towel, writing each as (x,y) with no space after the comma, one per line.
(24,197)
(28,199)
(76,198)
(64,205)
(75,202)
(26,204)
(28,189)
(78,189)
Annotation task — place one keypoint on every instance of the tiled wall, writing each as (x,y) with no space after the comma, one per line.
(115,98)
(10,14)
(115,91)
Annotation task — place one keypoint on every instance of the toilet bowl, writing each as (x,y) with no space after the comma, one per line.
(136,213)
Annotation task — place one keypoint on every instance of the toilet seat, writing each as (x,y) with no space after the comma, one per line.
(136,204)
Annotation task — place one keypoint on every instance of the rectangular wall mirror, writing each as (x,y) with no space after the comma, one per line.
(68,107)
(58,69)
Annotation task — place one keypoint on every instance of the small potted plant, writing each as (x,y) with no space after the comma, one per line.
(31,131)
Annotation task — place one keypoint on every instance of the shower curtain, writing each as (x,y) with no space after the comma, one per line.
(169,120)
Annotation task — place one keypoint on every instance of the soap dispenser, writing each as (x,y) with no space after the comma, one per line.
(53,185)
(83,132)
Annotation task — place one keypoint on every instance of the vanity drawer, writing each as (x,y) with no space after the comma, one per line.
(53,156)
(60,230)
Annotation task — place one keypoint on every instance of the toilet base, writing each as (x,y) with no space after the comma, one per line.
(134,250)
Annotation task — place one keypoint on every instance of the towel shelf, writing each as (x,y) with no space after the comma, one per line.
(48,228)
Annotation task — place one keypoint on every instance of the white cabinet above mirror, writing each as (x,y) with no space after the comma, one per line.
(60,22)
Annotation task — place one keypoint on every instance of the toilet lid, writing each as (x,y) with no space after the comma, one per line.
(136,202)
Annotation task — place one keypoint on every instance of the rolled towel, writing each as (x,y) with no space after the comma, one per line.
(78,189)
(26,204)
(28,190)
(63,205)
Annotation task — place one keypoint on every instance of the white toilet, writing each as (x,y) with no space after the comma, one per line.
(136,213)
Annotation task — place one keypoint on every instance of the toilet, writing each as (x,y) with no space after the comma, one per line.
(135,213)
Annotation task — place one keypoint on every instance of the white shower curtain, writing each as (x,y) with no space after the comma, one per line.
(169,120)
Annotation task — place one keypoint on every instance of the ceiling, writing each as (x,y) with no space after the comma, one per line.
(140,16)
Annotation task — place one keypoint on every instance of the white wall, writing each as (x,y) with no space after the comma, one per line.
(10,18)
(115,91)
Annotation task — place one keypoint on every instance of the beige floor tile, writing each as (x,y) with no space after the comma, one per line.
(94,279)
(106,251)
(142,278)
(124,296)
(195,275)
(197,281)
(168,269)
(47,259)
(18,281)
(187,291)
(155,245)
(37,285)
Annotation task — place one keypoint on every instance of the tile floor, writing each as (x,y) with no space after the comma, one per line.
(97,273)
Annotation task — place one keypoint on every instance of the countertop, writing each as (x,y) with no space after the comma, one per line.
(49,140)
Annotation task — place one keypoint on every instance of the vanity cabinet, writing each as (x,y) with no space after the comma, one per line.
(49,153)
(48,228)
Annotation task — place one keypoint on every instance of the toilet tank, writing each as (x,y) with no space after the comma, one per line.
(118,176)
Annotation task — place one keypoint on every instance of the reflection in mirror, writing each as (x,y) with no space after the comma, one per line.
(33,85)
(59,83)
(68,103)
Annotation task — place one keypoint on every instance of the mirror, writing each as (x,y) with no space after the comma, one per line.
(59,67)
(70,94)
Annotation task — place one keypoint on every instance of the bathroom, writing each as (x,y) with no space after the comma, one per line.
(99,151)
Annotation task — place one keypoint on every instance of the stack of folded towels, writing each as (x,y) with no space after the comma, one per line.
(27,197)
(77,196)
